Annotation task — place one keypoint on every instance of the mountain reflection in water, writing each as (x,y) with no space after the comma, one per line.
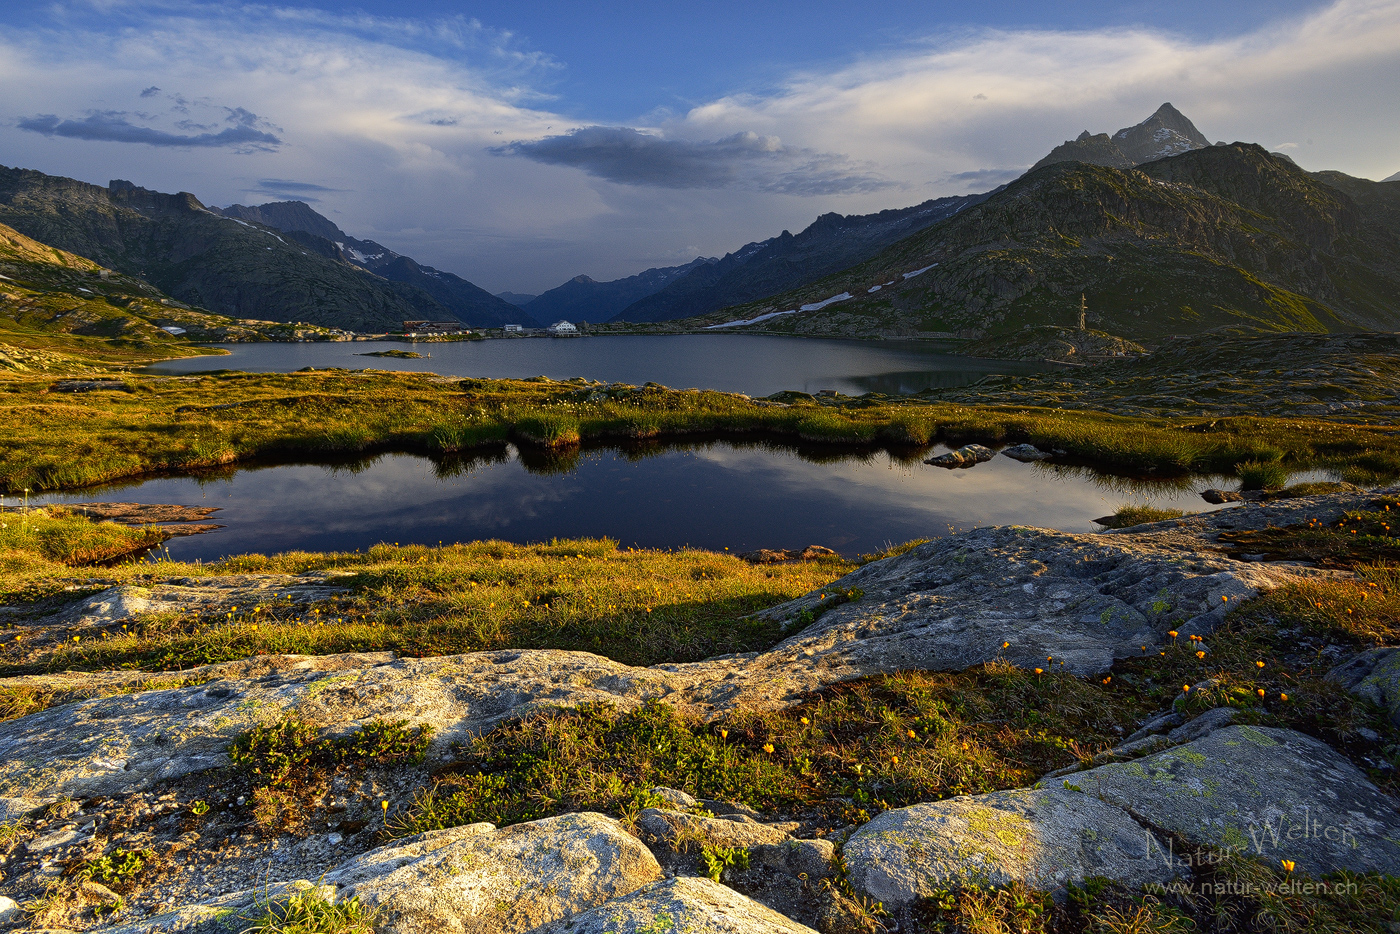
(706,494)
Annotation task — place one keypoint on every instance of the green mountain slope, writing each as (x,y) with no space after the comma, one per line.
(1220,237)
(61,311)
(225,265)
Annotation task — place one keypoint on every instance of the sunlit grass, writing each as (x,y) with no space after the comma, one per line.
(58,535)
(637,606)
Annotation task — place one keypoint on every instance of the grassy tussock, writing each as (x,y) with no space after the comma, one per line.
(1138,514)
(57,442)
(61,536)
(637,606)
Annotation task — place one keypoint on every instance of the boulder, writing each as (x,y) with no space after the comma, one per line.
(1272,794)
(675,799)
(1375,676)
(479,878)
(1219,497)
(1025,453)
(10,912)
(1043,837)
(681,831)
(809,860)
(969,455)
(679,906)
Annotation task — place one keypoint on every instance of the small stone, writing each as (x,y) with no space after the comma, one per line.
(674,798)
(334,839)
(54,840)
(9,910)
(1374,675)
(1025,453)
(100,893)
(968,455)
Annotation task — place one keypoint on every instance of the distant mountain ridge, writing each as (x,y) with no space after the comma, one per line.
(1166,133)
(584,299)
(227,265)
(462,299)
(1235,239)
(830,243)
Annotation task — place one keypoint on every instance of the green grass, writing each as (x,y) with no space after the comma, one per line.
(289,752)
(118,869)
(59,441)
(636,606)
(61,536)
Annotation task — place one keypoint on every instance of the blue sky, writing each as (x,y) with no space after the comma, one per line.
(522,143)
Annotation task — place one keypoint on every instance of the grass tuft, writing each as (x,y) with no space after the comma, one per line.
(311,912)
(1262,475)
(1138,514)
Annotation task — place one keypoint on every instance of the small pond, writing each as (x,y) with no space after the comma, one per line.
(712,495)
(753,364)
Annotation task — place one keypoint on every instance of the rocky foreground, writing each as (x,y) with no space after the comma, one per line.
(77,776)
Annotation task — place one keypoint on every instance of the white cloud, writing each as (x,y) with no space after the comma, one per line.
(391,121)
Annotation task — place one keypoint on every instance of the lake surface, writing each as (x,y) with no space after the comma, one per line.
(754,364)
(712,495)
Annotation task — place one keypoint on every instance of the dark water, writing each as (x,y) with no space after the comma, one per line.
(752,364)
(712,495)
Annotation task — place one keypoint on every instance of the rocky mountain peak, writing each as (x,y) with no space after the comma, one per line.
(1167,132)
(287,216)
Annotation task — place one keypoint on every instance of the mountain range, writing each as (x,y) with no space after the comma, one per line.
(1224,236)
(830,243)
(584,299)
(1160,232)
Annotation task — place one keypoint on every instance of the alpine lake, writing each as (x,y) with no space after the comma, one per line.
(717,495)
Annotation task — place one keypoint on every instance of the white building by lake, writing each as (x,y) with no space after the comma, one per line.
(562,327)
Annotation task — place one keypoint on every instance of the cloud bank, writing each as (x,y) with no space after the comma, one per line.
(743,160)
(113,126)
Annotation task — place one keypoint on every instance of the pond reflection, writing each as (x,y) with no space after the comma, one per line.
(707,493)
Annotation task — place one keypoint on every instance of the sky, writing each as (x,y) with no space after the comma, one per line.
(519,144)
